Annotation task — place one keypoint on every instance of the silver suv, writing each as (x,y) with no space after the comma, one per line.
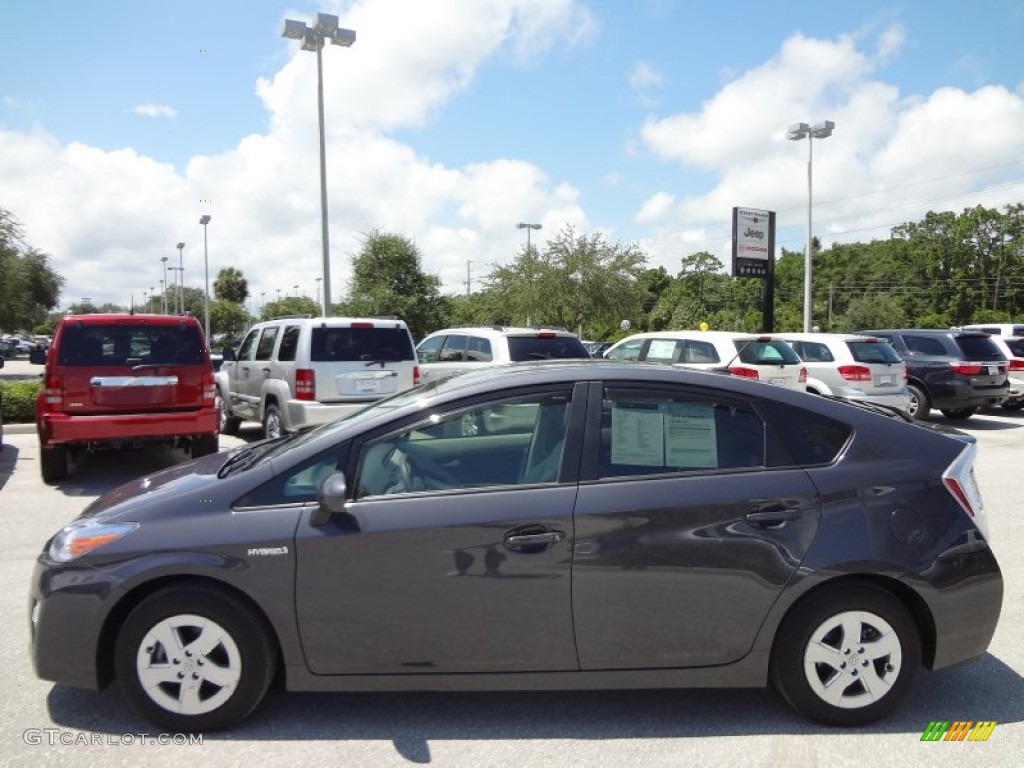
(856,367)
(452,351)
(292,373)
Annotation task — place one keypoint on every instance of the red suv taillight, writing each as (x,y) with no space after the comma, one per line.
(746,373)
(53,393)
(209,390)
(855,372)
(1017,364)
(415,375)
(802,378)
(305,384)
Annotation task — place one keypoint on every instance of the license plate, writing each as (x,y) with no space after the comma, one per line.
(993,370)
(778,382)
(884,380)
(367,385)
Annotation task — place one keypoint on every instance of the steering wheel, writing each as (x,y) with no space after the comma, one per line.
(427,474)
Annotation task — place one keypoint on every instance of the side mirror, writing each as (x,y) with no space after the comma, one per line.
(37,357)
(228,354)
(330,498)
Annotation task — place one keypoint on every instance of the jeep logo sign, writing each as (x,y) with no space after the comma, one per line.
(753,242)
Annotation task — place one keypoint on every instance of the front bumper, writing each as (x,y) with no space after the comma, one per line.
(67,609)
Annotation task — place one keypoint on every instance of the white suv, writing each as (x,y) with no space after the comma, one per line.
(291,373)
(761,356)
(853,366)
(452,351)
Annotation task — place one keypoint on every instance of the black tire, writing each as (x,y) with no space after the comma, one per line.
(959,413)
(272,425)
(1016,405)
(228,424)
(204,445)
(919,403)
(53,463)
(242,656)
(816,625)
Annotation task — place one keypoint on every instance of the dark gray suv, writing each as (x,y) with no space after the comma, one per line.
(955,371)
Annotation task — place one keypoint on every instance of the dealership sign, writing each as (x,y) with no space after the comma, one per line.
(753,242)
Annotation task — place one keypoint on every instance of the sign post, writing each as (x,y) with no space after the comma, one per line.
(753,255)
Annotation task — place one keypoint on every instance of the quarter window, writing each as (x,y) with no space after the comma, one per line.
(289,343)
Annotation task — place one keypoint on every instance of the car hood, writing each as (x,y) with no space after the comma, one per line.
(169,492)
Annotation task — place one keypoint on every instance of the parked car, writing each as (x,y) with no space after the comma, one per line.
(297,372)
(763,357)
(854,367)
(8,348)
(956,371)
(114,381)
(996,329)
(1013,348)
(650,526)
(453,351)
(597,348)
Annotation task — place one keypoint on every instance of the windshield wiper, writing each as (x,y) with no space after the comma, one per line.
(248,456)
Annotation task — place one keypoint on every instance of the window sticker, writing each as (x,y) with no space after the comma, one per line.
(662,349)
(690,436)
(638,435)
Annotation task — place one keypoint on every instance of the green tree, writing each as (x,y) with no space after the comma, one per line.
(388,280)
(29,288)
(230,285)
(302,306)
(228,319)
(579,282)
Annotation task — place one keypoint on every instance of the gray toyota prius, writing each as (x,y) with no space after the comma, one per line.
(577,524)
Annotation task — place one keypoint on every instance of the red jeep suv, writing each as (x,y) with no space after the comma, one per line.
(115,381)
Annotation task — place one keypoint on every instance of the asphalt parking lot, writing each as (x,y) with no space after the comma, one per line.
(49,725)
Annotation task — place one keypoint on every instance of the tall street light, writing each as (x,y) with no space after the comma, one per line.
(181,274)
(204,220)
(163,289)
(179,271)
(527,227)
(318,294)
(796,132)
(326,28)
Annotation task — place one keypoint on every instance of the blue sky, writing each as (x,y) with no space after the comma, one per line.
(450,120)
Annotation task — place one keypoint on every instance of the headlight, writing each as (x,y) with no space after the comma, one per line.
(78,539)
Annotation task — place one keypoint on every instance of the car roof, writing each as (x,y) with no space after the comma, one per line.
(335,322)
(801,336)
(504,330)
(128,319)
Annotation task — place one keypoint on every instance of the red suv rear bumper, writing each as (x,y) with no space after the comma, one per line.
(57,428)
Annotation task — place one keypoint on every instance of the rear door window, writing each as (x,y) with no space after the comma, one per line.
(360,343)
(125,344)
(266,345)
(523,348)
(979,348)
(873,352)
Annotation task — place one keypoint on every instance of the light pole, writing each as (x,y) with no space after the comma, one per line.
(204,220)
(318,296)
(181,274)
(527,227)
(796,132)
(163,288)
(174,309)
(263,302)
(313,39)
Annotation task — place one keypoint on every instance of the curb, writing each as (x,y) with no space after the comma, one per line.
(19,429)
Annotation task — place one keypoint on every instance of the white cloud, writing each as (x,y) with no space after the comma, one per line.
(108,217)
(154,110)
(891,158)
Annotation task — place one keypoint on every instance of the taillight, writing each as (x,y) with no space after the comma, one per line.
(802,378)
(966,369)
(415,375)
(53,393)
(906,376)
(746,373)
(209,390)
(855,372)
(959,481)
(305,384)
(1017,364)
(546,335)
